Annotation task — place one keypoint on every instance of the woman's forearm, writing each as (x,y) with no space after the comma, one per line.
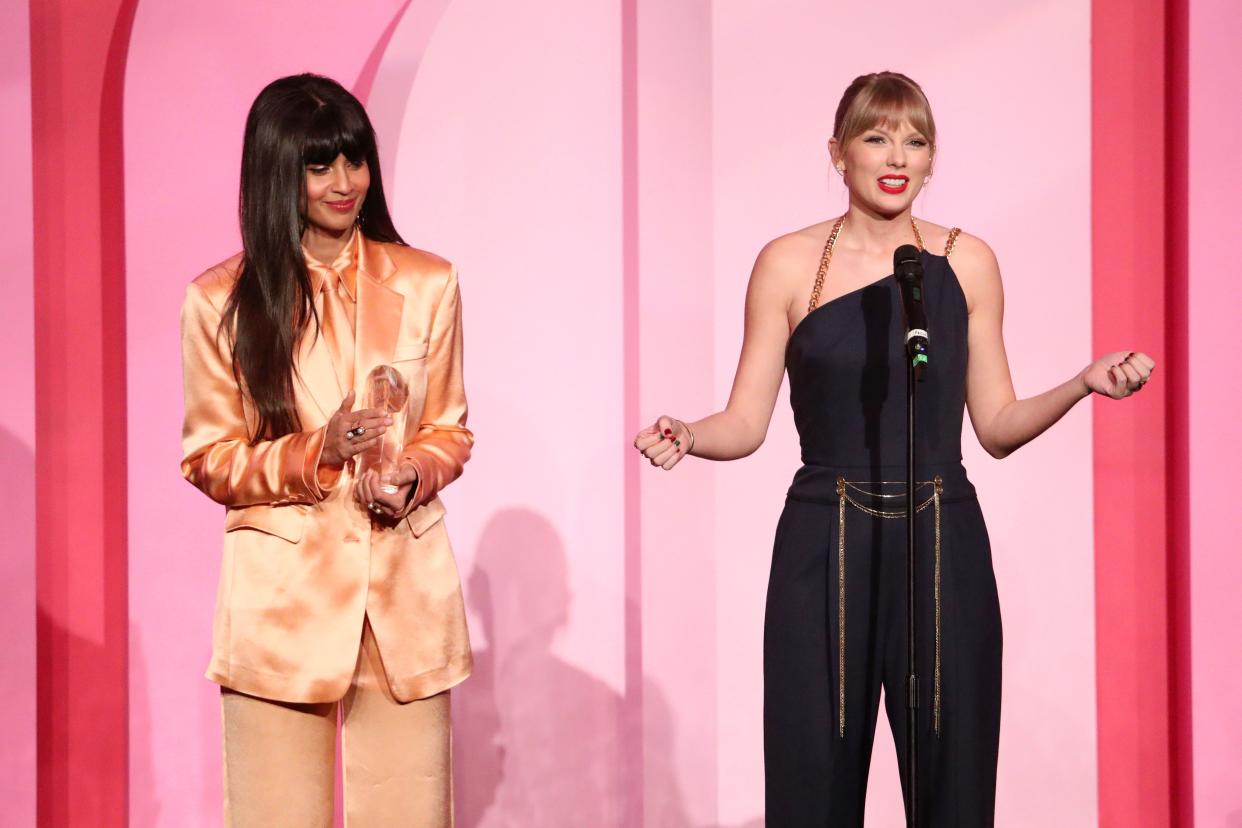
(725,435)
(1021,421)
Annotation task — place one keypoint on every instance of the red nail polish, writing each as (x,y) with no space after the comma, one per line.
(668,431)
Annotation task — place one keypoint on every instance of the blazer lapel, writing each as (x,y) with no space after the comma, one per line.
(379,313)
(317,372)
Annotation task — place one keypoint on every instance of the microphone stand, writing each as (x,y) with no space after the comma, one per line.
(914,374)
(909,273)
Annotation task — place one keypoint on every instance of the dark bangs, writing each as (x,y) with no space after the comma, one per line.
(334,130)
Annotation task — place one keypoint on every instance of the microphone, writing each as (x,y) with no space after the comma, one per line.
(908,269)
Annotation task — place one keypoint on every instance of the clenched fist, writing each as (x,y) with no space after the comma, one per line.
(665,442)
(1118,374)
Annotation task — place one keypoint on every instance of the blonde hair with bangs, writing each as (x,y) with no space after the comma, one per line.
(882,99)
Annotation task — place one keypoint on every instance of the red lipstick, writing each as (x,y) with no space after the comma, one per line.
(342,206)
(887,185)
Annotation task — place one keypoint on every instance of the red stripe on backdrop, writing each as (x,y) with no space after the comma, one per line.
(1138,296)
(78,50)
(1177,407)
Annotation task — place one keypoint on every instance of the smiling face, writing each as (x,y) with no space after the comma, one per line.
(885,166)
(883,141)
(334,194)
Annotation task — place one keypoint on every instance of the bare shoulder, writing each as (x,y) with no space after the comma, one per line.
(787,263)
(965,246)
(977,270)
(973,257)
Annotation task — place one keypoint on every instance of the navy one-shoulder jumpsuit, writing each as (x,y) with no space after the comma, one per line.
(835,631)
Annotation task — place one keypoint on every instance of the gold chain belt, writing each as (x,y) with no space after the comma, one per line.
(844,496)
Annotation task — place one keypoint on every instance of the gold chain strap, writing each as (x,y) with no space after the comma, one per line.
(841,608)
(948,246)
(880,513)
(858,488)
(843,497)
(826,259)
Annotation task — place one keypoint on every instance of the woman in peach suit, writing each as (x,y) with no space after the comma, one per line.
(332,592)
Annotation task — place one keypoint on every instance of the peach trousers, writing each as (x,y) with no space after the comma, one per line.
(279,757)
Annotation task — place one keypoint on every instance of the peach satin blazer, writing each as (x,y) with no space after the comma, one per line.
(303,562)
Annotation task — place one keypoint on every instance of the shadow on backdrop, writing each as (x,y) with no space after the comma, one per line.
(537,740)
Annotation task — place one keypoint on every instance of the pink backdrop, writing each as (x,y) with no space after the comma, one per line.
(1215,399)
(670,223)
(515,175)
(17,424)
(518,177)
(603,175)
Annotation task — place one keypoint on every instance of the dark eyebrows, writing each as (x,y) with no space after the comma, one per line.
(880,129)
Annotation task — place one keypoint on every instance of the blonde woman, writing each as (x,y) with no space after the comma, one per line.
(822,304)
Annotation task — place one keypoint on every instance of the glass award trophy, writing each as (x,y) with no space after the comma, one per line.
(386,391)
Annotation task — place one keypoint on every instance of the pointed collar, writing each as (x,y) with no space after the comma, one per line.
(343,265)
(378,326)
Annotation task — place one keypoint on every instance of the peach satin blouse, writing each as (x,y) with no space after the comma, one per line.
(335,304)
(303,562)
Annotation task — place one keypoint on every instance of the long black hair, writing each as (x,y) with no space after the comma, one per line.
(295,121)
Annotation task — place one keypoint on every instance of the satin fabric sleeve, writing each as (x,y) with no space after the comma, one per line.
(441,445)
(218,457)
